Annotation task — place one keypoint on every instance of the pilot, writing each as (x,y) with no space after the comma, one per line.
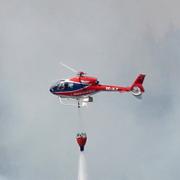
(61,86)
(66,85)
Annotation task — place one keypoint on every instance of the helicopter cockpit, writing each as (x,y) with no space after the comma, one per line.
(64,85)
(60,85)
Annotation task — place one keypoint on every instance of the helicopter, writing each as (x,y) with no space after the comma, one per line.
(81,88)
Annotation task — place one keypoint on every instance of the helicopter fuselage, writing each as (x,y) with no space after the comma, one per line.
(82,86)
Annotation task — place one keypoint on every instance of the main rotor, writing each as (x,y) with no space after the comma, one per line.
(79,73)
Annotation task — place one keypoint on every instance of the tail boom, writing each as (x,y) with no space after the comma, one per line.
(136,88)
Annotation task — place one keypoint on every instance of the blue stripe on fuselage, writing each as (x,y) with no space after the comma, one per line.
(73,87)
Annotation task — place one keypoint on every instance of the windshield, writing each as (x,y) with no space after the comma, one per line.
(63,85)
(59,84)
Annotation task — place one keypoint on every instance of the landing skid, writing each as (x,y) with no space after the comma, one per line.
(80,102)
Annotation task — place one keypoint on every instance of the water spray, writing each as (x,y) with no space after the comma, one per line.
(82,169)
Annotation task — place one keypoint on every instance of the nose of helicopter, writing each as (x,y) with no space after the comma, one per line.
(51,90)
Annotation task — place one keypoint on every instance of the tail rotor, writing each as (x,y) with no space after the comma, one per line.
(137,88)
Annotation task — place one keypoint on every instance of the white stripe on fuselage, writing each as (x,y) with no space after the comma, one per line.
(79,95)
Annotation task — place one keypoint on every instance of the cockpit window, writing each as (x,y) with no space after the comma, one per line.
(66,85)
(71,85)
(59,82)
(62,85)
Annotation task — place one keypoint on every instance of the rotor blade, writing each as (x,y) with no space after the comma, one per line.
(67,67)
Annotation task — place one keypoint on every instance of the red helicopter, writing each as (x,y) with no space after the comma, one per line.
(81,87)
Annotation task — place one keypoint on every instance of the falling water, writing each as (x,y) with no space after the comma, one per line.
(82,169)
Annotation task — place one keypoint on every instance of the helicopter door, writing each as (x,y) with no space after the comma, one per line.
(68,86)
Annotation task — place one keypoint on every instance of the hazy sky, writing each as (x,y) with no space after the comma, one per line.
(114,40)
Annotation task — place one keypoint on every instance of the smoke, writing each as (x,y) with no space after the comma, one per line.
(113,40)
(82,169)
(3,178)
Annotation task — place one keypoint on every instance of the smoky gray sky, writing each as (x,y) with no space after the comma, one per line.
(113,40)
